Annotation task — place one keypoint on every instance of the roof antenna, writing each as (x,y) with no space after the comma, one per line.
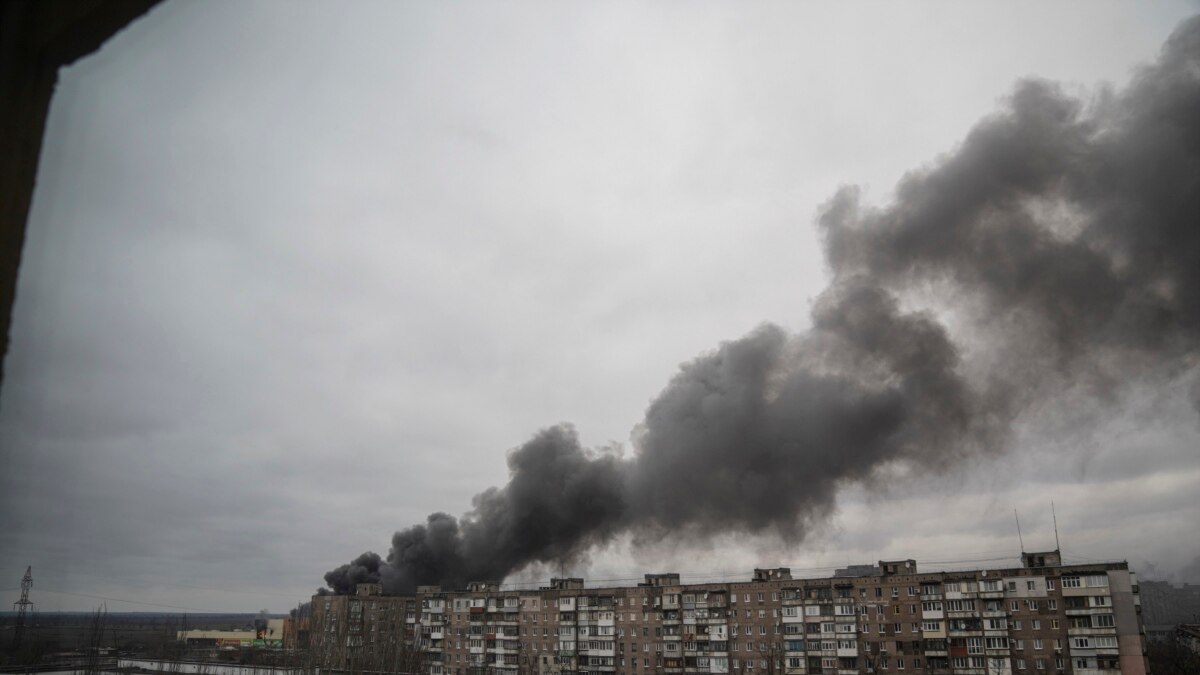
(1019,537)
(1055,516)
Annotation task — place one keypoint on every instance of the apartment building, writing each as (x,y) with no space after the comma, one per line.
(1042,618)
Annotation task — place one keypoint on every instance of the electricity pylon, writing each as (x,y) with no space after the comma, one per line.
(22,606)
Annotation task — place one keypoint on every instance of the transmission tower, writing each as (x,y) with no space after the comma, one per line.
(22,606)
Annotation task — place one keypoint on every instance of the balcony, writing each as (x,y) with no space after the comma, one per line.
(503,650)
(1080,632)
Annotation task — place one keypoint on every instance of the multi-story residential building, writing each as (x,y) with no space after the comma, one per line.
(1166,605)
(1042,618)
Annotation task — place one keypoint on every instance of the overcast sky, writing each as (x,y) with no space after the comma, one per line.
(297,276)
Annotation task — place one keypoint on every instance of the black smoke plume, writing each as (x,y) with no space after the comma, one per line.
(362,570)
(1065,232)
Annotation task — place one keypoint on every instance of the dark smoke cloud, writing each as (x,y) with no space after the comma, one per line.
(560,500)
(362,570)
(1070,228)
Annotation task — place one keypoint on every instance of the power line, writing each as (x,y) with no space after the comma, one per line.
(135,602)
(168,583)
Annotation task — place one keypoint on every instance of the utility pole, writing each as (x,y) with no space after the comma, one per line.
(22,606)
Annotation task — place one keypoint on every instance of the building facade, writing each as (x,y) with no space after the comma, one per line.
(1042,618)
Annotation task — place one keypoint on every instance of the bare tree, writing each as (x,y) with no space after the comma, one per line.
(1172,657)
(94,642)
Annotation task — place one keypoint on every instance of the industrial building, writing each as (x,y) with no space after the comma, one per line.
(1041,618)
(266,633)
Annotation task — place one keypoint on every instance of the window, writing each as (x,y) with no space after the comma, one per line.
(1097,580)
(1102,621)
(1031,585)
(1054,624)
(1071,582)
(1052,603)
(1014,605)
(1049,584)
(1037,643)
(1037,624)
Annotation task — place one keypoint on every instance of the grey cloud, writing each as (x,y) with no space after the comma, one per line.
(1072,226)
(1124,285)
(296,276)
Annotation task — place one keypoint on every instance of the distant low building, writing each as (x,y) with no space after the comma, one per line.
(270,634)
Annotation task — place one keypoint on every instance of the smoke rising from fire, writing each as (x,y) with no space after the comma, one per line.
(1066,231)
